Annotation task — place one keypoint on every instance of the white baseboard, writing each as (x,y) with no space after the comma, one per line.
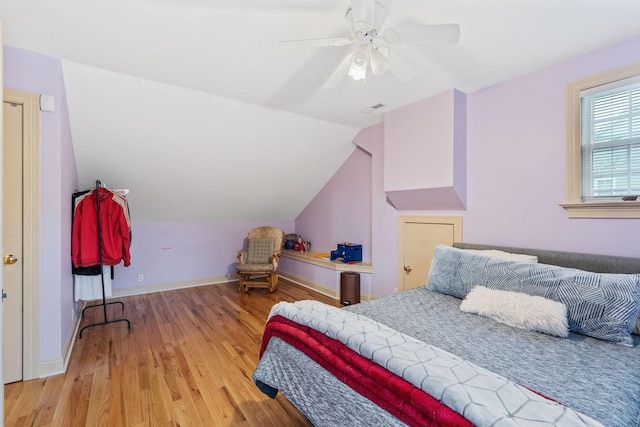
(332,293)
(310,285)
(59,366)
(159,287)
(51,367)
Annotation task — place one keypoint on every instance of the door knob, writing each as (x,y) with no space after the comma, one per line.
(9,259)
(407,269)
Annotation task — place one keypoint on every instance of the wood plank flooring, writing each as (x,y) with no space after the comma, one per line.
(187,361)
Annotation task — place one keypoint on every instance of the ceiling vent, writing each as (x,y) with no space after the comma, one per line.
(371,109)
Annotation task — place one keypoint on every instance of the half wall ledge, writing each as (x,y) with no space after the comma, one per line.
(360,267)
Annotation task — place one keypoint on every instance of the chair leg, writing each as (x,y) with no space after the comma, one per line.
(273,281)
(241,284)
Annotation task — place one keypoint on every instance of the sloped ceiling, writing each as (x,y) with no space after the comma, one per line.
(190,156)
(195,101)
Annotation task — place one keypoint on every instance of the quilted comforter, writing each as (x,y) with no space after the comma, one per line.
(418,383)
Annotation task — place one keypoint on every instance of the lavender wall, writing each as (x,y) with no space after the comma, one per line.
(167,253)
(384,218)
(353,203)
(37,73)
(517,163)
(425,161)
(341,211)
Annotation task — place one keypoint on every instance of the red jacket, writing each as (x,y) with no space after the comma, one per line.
(116,237)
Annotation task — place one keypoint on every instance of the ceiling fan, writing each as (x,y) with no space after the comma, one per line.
(372,53)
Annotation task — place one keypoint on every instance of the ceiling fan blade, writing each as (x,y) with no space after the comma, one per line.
(420,34)
(339,74)
(338,41)
(363,14)
(400,67)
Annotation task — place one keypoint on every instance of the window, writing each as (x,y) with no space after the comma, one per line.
(603,145)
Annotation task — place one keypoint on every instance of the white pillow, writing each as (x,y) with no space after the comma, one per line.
(532,259)
(523,311)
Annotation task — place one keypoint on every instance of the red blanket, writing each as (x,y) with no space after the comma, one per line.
(392,393)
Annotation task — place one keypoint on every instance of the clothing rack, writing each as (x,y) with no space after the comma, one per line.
(104,303)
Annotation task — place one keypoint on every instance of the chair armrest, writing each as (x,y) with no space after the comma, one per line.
(242,256)
(275,260)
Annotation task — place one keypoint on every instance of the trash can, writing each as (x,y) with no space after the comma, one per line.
(349,287)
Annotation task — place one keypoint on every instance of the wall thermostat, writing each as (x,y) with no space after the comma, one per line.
(47,103)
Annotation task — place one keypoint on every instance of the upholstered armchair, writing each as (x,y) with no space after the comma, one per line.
(257,266)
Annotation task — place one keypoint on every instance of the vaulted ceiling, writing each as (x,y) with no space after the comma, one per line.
(197,99)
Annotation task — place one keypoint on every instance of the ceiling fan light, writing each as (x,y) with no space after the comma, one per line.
(358,74)
(359,64)
(359,60)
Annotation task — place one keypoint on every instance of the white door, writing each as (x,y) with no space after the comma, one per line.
(12,242)
(419,236)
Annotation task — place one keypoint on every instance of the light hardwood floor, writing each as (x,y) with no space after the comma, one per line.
(187,361)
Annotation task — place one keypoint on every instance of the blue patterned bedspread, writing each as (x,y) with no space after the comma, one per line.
(481,396)
(594,377)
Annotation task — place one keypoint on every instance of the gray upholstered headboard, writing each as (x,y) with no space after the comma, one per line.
(588,262)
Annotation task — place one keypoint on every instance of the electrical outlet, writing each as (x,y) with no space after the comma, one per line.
(395,290)
(140,277)
(73,315)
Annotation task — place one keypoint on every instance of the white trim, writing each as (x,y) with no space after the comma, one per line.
(31,230)
(603,209)
(574,205)
(52,367)
(332,293)
(159,287)
(321,289)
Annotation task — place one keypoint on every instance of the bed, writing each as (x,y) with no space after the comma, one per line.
(417,358)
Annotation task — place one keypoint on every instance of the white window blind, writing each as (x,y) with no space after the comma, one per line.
(610,140)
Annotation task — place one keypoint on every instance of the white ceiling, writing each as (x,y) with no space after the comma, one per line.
(207,105)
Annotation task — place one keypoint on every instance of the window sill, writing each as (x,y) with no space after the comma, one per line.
(603,209)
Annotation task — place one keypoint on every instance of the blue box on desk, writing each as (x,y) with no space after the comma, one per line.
(349,252)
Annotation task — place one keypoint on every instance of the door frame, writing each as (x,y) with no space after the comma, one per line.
(454,220)
(31,229)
